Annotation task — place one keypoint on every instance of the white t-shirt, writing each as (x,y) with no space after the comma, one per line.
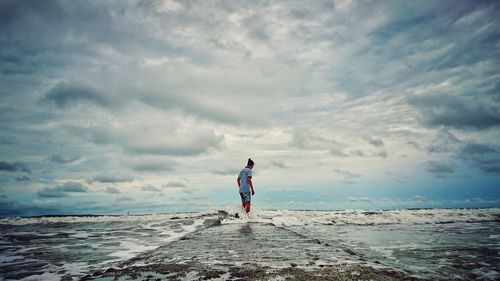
(244,174)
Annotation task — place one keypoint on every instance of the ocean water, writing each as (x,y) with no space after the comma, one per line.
(434,244)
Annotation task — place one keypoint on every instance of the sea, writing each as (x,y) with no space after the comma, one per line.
(427,244)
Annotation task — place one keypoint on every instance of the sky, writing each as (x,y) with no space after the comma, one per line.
(109,107)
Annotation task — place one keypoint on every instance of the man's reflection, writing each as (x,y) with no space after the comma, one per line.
(246,228)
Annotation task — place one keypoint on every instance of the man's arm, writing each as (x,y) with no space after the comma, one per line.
(239,182)
(249,181)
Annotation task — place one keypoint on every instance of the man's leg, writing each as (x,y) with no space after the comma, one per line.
(247,207)
(243,200)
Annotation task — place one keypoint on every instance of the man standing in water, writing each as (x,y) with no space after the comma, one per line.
(245,185)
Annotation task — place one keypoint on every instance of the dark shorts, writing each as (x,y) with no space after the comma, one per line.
(245,197)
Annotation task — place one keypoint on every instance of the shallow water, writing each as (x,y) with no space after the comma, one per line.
(434,244)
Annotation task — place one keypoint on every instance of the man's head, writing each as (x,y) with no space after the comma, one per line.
(250,163)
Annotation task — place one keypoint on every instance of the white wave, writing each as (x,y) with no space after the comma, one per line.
(290,218)
(47,276)
(172,235)
(104,218)
(130,248)
(359,217)
(55,272)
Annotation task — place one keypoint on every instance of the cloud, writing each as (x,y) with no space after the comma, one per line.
(113,190)
(484,157)
(443,142)
(12,207)
(383,154)
(22,179)
(112,178)
(124,199)
(346,174)
(439,169)
(66,94)
(62,190)
(169,137)
(150,188)
(336,151)
(150,164)
(58,158)
(278,164)
(414,144)
(419,198)
(456,112)
(226,172)
(360,199)
(174,184)
(13,167)
(374,142)
(360,153)
(48,192)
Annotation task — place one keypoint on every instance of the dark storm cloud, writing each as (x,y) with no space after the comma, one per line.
(7,140)
(48,192)
(23,179)
(12,207)
(438,148)
(112,178)
(439,169)
(445,21)
(443,142)
(13,167)
(113,190)
(62,190)
(61,159)
(471,16)
(49,23)
(151,165)
(40,37)
(484,157)
(375,142)
(66,94)
(456,112)
(66,35)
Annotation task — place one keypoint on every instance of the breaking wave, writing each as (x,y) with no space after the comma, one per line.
(359,217)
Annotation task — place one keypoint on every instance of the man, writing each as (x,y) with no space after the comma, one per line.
(245,185)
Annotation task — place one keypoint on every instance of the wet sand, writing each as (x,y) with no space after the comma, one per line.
(249,271)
